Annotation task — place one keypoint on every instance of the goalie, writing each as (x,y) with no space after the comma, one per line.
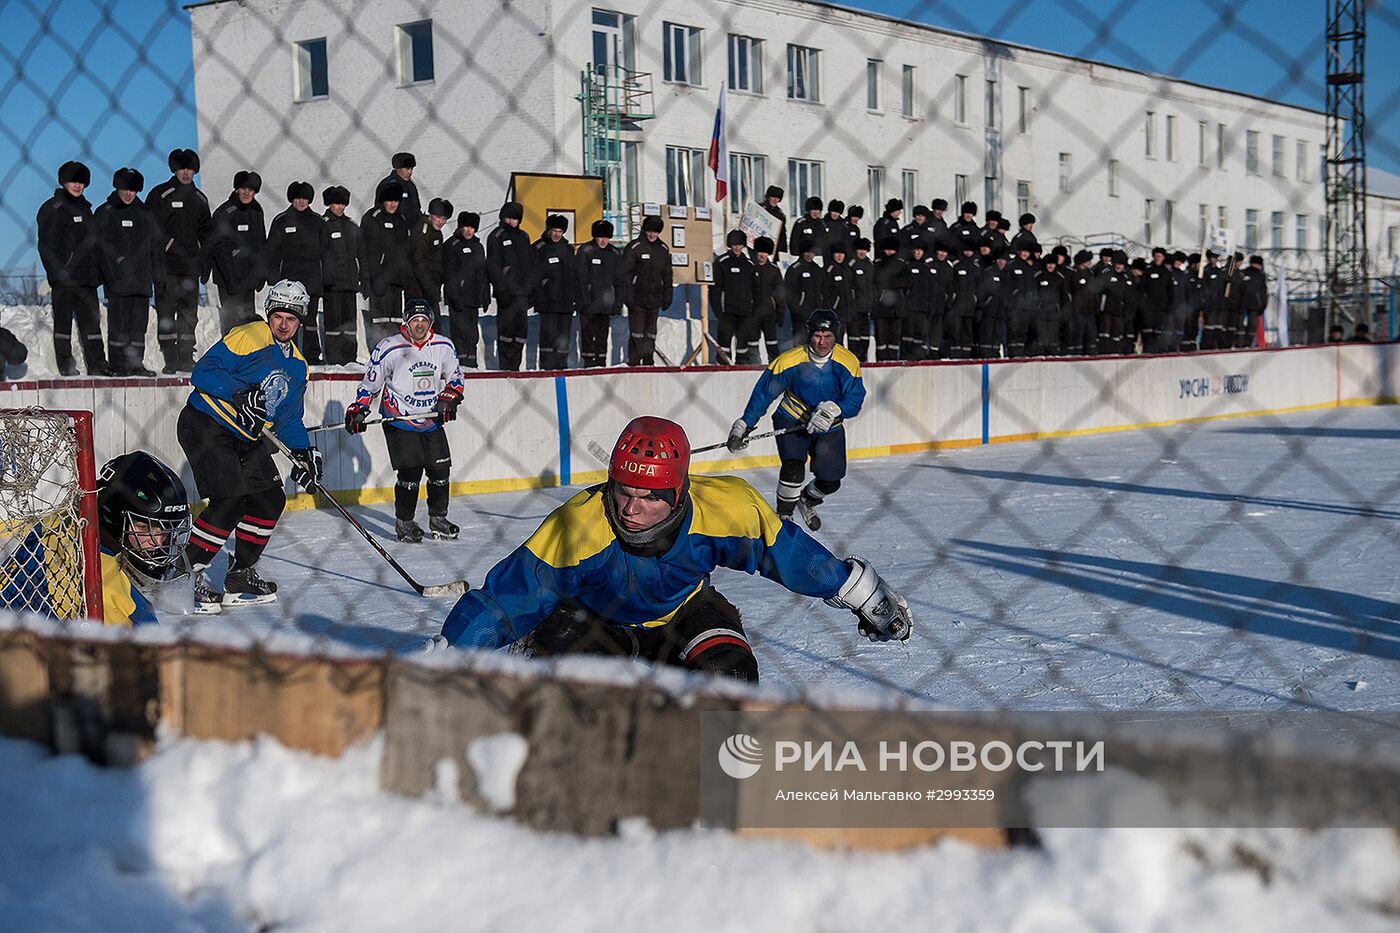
(623,568)
(417,374)
(143,521)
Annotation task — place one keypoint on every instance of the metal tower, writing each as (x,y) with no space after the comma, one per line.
(1347,298)
(615,100)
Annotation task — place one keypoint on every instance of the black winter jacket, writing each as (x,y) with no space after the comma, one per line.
(186,224)
(237,254)
(294,249)
(68,242)
(128,248)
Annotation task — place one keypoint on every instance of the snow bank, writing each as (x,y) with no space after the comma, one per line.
(214,836)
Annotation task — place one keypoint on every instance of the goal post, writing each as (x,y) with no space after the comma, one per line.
(50,561)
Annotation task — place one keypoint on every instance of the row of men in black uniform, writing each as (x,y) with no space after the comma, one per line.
(165,246)
(935,290)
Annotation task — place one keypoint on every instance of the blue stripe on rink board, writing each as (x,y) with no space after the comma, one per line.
(986,403)
(561,405)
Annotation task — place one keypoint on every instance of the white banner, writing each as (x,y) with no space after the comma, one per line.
(757,222)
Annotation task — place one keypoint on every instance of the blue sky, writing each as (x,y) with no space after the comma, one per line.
(110,81)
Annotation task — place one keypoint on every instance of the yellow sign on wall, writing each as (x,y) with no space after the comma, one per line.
(577,197)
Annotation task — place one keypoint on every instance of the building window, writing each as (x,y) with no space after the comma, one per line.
(872,83)
(1222,145)
(1113,178)
(613,44)
(991,192)
(1202,144)
(1149,130)
(1023,109)
(1278,156)
(746,64)
(1300,231)
(1023,197)
(311,77)
(1251,152)
(909,187)
(1171,138)
(685,176)
(680,53)
(1301,157)
(1251,229)
(960,190)
(414,47)
(906,91)
(992,105)
(1148,206)
(1222,219)
(618,161)
(1203,215)
(803,73)
(1276,230)
(1392,239)
(875,184)
(1169,219)
(959,98)
(1066,170)
(748,176)
(804,181)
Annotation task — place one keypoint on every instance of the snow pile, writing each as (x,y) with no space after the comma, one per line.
(215,836)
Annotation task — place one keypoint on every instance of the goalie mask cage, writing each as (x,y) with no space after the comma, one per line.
(49,558)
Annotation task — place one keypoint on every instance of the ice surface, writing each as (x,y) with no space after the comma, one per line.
(1236,565)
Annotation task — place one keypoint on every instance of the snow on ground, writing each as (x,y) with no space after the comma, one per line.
(220,837)
(1241,564)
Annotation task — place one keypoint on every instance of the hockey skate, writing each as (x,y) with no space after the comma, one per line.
(243,587)
(206,601)
(408,531)
(441,528)
(807,508)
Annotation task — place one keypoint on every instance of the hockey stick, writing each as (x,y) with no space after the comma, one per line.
(336,425)
(456,588)
(601,455)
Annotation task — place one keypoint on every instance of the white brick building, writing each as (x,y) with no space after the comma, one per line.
(824,100)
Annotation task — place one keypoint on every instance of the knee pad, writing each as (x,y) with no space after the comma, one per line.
(409,478)
(729,662)
(792,471)
(265,503)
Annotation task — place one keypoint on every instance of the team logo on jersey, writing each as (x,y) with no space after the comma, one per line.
(276,387)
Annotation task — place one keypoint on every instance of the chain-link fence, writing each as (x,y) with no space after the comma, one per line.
(1219,538)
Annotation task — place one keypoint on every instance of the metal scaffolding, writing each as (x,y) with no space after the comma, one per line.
(1347,293)
(615,100)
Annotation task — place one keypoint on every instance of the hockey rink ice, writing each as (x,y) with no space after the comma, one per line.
(1244,564)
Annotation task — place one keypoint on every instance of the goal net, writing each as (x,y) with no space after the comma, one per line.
(49,558)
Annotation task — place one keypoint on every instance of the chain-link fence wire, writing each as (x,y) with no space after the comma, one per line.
(1105,600)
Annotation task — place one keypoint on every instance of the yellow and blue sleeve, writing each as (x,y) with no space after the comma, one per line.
(122,603)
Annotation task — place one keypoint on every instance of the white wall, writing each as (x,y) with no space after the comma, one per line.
(508,75)
(513,431)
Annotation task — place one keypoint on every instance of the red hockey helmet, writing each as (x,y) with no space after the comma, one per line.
(651,453)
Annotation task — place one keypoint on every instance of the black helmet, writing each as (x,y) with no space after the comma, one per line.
(137,487)
(823,319)
(416,306)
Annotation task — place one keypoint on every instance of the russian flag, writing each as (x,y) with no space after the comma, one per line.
(719,152)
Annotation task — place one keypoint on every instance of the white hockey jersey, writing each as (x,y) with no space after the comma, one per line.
(410,377)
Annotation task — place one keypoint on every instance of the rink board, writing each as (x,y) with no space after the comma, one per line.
(533,430)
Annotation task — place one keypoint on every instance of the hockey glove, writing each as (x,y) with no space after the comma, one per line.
(738,437)
(883,613)
(823,417)
(251,408)
(306,468)
(355,417)
(447,401)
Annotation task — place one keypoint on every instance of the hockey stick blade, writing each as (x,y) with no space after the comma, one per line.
(455,588)
(599,454)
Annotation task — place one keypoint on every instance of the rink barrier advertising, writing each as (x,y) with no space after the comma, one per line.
(532,430)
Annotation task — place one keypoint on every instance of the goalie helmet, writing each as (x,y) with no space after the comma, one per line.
(143,512)
(288,296)
(652,453)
